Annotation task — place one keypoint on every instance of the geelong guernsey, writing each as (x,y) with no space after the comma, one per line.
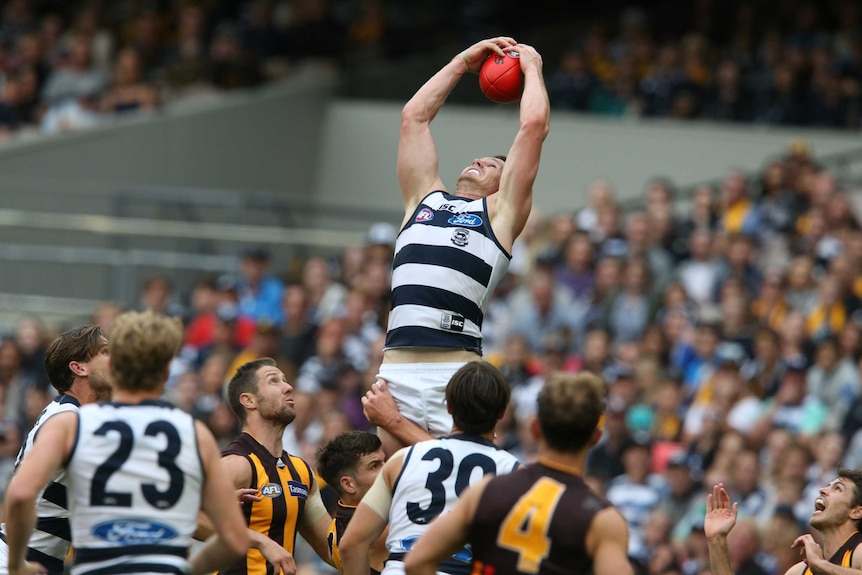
(433,476)
(135,478)
(51,539)
(447,263)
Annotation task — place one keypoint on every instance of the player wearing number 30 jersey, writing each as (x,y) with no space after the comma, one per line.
(543,520)
(423,482)
(137,470)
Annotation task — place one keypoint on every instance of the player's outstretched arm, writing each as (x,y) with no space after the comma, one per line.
(231,541)
(446,534)
(515,198)
(417,153)
(719,520)
(52,448)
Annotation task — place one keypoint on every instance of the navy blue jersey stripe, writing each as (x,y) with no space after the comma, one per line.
(130,568)
(92,555)
(56,526)
(408,336)
(53,565)
(56,493)
(447,257)
(438,299)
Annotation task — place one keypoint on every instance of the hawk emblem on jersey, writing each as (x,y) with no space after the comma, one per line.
(133,532)
(469,220)
(271,490)
(298,489)
(425,215)
(461,237)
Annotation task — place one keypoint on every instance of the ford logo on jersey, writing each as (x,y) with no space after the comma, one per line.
(133,531)
(271,490)
(469,220)
(298,489)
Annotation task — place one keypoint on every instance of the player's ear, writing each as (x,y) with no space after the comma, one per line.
(596,436)
(247,400)
(535,428)
(347,484)
(856,513)
(78,369)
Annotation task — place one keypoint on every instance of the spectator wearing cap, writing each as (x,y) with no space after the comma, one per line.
(260,293)
(791,408)
(680,493)
(380,242)
(637,492)
(833,380)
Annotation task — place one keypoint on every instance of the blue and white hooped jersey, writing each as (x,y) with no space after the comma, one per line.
(135,479)
(447,263)
(51,539)
(433,476)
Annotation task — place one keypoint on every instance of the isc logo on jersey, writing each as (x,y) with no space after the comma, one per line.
(271,490)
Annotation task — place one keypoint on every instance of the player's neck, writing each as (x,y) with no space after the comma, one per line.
(573,463)
(128,396)
(490,436)
(268,435)
(467,189)
(834,538)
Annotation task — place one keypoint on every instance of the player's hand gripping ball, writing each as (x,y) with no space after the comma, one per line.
(500,78)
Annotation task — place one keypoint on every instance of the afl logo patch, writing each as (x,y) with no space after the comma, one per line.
(461,237)
(469,220)
(424,215)
(271,490)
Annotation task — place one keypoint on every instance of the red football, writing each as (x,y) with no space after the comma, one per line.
(500,78)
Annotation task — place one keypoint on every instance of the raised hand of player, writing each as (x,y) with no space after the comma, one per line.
(280,558)
(476,54)
(720,514)
(809,550)
(378,405)
(528,56)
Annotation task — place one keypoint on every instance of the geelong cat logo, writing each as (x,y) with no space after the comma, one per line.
(271,490)
(133,531)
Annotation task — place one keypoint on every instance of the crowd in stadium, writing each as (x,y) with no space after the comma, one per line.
(730,333)
(69,65)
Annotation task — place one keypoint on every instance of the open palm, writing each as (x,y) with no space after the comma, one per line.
(720,514)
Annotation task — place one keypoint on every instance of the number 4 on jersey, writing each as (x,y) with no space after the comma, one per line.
(525,529)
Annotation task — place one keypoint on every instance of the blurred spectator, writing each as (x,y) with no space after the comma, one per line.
(700,273)
(128,91)
(834,381)
(259,292)
(298,333)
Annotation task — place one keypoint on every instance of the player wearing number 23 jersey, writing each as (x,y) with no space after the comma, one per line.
(419,484)
(138,470)
(542,520)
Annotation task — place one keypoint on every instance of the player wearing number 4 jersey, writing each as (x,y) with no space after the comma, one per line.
(543,519)
(138,470)
(422,482)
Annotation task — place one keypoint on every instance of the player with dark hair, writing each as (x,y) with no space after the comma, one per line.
(453,249)
(837,517)
(418,485)
(543,519)
(349,464)
(77,367)
(288,499)
(137,470)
